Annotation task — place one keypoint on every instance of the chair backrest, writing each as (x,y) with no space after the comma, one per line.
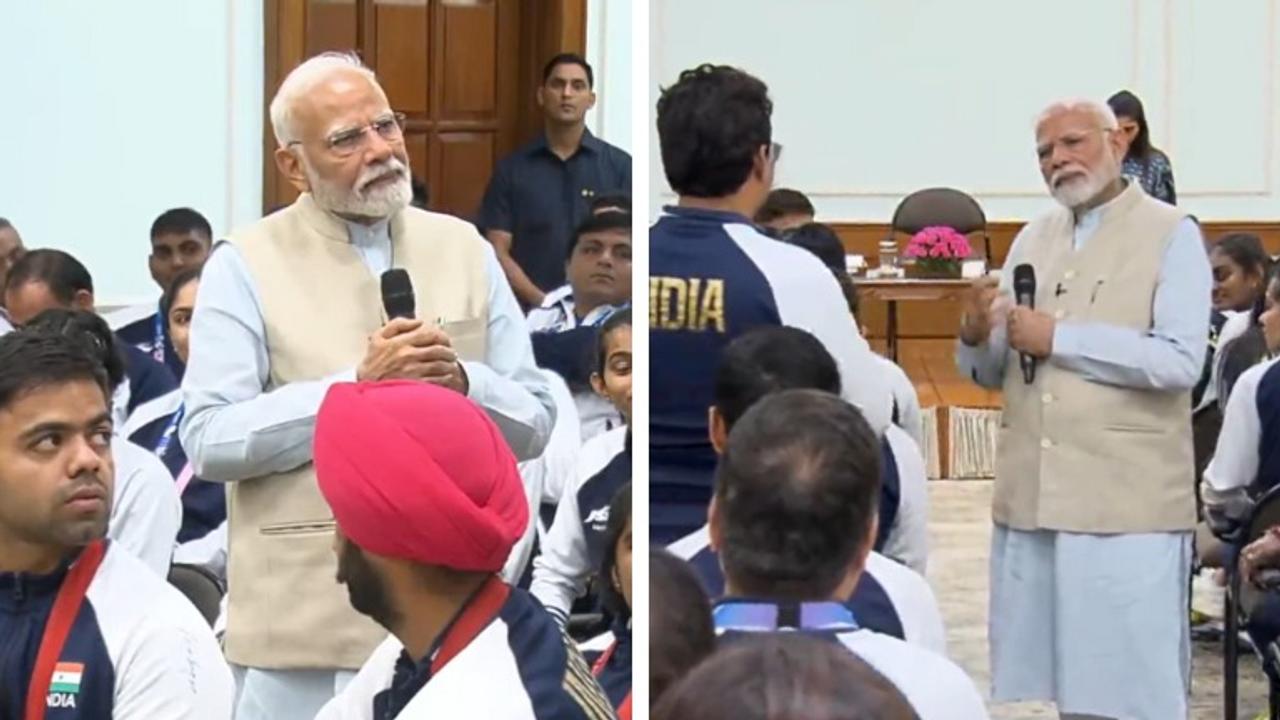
(199,586)
(1265,514)
(939,206)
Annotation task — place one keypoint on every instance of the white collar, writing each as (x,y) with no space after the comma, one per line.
(369,235)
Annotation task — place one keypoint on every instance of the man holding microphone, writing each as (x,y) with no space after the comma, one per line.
(292,304)
(1094,500)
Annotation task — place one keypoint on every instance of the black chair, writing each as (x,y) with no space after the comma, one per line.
(199,586)
(941,206)
(927,208)
(1241,598)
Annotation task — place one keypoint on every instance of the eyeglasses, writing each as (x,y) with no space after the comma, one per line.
(775,151)
(345,143)
(1070,141)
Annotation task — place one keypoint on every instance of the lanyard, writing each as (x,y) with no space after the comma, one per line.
(166,439)
(764,616)
(66,606)
(157,327)
(481,611)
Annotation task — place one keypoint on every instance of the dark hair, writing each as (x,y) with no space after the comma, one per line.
(90,329)
(601,222)
(611,203)
(1126,104)
(180,221)
(181,280)
(1245,250)
(681,632)
(4,223)
(33,358)
(784,201)
(823,242)
(798,489)
(568,59)
(619,318)
(769,359)
(783,676)
(64,274)
(619,514)
(711,124)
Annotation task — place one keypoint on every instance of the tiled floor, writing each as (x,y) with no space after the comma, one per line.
(960,525)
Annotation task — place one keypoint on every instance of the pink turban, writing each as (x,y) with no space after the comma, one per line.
(417,471)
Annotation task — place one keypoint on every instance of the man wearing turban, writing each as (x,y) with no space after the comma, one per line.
(428,504)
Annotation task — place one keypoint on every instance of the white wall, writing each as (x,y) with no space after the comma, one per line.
(876,98)
(609,52)
(116,111)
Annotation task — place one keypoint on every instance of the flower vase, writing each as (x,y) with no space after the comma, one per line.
(937,268)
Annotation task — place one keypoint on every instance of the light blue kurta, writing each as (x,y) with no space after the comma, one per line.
(1098,623)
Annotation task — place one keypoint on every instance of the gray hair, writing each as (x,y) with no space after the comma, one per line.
(1100,111)
(301,80)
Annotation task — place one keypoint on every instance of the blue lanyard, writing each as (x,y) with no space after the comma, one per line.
(765,616)
(157,350)
(166,439)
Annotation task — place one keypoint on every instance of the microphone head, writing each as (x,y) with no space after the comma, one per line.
(1024,279)
(397,293)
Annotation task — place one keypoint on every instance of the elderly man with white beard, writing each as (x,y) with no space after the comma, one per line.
(290,305)
(1094,501)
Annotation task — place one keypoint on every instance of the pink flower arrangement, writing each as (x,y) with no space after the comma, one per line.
(938,242)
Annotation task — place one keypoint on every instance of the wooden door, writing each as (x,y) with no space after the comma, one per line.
(459,69)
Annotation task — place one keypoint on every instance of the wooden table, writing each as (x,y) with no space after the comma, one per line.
(895,290)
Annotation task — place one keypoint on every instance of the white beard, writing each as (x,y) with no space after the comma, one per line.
(1075,193)
(379,203)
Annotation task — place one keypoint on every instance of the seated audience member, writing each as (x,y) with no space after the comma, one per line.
(145,408)
(793,520)
(202,539)
(784,210)
(180,241)
(681,633)
(11,251)
(1246,460)
(424,566)
(134,648)
(889,598)
(619,203)
(575,542)
(145,510)
(599,272)
(789,675)
(823,242)
(1240,268)
(613,666)
(714,275)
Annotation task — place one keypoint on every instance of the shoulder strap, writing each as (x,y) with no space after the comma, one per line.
(66,606)
(481,611)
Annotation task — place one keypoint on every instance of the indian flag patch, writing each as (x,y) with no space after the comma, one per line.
(66,678)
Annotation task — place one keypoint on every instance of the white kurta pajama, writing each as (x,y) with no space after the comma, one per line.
(1097,623)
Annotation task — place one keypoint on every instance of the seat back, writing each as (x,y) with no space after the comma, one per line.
(199,586)
(941,206)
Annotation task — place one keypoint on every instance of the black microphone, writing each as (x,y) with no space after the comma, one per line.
(397,294)
(1024,289)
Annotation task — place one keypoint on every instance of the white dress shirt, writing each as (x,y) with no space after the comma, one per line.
(233,430)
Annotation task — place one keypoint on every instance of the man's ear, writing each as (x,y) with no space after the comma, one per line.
(717,430)
(82,300)
(290,165)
